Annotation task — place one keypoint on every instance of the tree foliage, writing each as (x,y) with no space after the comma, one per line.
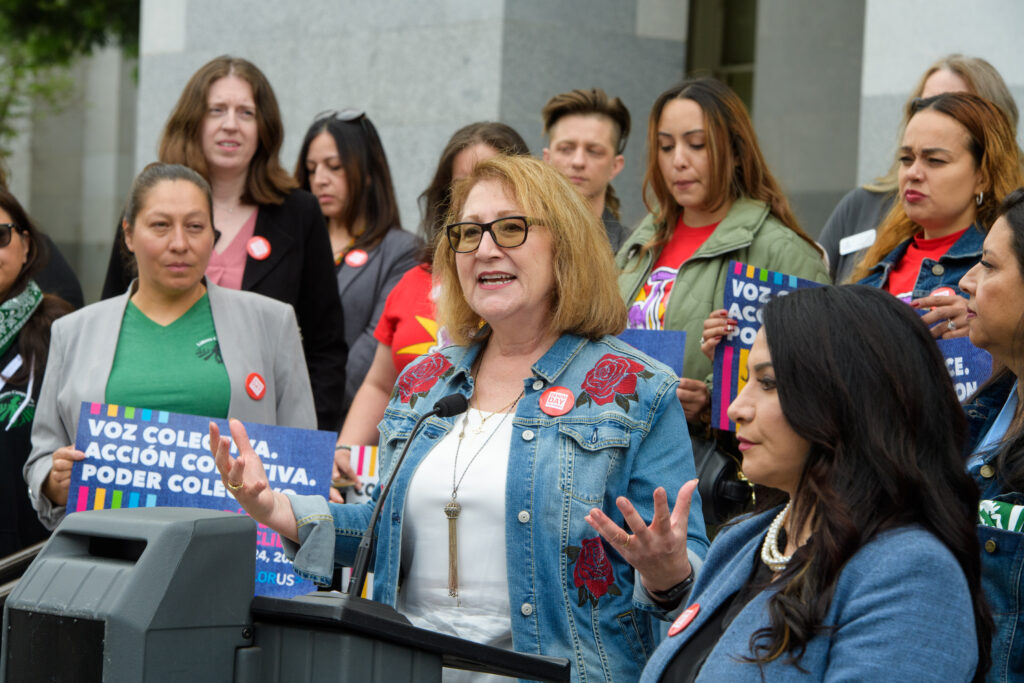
(39,39)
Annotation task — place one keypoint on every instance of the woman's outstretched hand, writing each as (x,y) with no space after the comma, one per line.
(657,551)
(246,479)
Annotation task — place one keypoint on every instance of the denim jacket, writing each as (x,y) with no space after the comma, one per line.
(571,594)
(946,272)
(1002,551)
(900,611)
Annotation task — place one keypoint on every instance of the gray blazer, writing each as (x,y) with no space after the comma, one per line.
(255,333)
(363,291)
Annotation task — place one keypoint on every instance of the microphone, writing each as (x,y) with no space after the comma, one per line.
(446,406)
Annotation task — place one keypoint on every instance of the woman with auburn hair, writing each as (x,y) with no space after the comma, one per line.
(861,562)
(408,324)
(712,199)
(562,417)
(342,163)
(851,228)
(26,315)
(270,234)
(958,160)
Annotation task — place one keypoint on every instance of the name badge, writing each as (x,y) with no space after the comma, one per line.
(862,240)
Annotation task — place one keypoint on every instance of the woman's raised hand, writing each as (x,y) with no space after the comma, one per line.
(245,478)
(658,550)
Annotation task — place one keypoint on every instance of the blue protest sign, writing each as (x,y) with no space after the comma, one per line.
(747,289)
(968,365)
(143,458)
(666,346)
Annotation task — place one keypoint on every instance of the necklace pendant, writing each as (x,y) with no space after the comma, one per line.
(451,511)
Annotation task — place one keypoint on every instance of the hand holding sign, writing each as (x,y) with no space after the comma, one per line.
(246,479)
(947,318)
(716,327)
(59,479)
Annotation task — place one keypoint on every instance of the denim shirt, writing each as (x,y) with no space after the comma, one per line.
(1002,551)
(571,594)
(946,272)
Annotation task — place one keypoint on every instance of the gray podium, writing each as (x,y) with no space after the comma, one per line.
(166,594)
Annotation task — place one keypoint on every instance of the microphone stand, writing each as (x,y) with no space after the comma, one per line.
(453,404)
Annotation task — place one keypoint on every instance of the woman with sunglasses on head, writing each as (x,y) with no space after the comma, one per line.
(26,315)
(852,227)
(995,320)
(861,562)
(342,163)
(408,324)
(562,417)
(175,341)
(271,238)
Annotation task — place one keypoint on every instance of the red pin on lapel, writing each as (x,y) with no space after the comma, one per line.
(557,401)
(255,386)
(356,258)
(258,247)
(684,619)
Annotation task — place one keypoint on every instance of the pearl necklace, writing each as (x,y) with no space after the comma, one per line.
(770,554)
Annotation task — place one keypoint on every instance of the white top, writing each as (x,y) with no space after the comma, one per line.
(481,613)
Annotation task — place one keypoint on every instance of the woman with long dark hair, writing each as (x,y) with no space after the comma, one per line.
(862,562)
(712,199)
(342,162)
(26,314)
(996,321)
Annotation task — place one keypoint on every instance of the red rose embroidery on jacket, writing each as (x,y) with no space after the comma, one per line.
(592,573)
(419,379)
(612,379)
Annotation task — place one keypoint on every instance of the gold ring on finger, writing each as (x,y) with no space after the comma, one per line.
(233,486)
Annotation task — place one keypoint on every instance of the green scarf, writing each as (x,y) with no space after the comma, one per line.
(15,312)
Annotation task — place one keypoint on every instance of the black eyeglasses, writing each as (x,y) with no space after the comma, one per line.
(5,233)
(507,232)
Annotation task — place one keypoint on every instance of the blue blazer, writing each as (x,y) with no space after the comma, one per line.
(901,610)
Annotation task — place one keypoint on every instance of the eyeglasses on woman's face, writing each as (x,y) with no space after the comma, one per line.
(507,232)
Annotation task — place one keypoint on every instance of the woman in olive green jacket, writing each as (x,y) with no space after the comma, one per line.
(712,199)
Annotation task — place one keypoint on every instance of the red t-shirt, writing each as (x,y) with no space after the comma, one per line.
(903,275)
(648,311)
(408,324)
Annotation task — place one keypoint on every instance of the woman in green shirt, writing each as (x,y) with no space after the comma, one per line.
(181,344)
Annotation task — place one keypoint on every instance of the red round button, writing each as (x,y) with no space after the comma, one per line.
(684,619)
(557,401)
(943,291)
(356,258)
(255,386)
(258,248)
